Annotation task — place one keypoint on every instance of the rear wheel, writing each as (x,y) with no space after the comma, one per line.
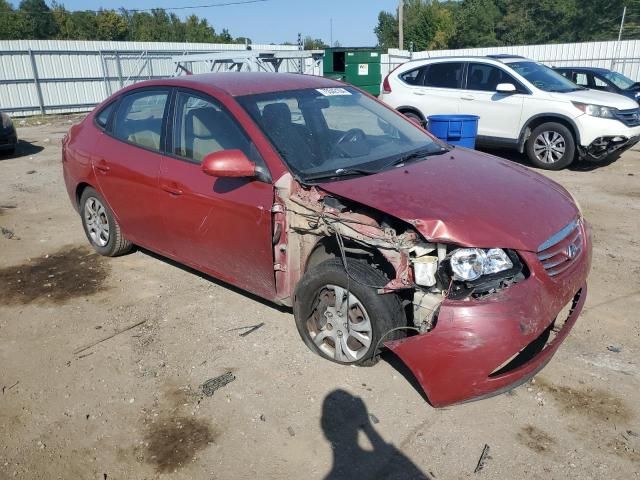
(100,226)
(414,117)
(343,326)
(551,146)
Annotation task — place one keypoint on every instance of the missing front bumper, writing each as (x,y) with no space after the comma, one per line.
(603,147)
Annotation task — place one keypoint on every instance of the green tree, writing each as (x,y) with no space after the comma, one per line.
(387,30)
(8,21)
(476,24)
(35,20)
(199,31)
(310,43)
(111,26)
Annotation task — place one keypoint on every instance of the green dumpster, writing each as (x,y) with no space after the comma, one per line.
(357,66)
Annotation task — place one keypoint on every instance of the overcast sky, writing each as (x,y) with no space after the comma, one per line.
(273,20)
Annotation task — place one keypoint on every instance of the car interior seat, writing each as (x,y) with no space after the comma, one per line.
(208,130)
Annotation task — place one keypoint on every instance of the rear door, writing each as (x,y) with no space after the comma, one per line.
(127,165)
(435,88)
(499,112)
(218,225)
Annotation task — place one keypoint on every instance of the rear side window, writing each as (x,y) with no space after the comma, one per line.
(139,118)
(444,75)
(413,77)
(102,119)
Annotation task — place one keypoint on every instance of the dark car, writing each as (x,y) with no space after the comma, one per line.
(8,135)
(602,79)
(315,195)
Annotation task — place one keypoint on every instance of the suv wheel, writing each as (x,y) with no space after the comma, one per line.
(414,117)
(551,146)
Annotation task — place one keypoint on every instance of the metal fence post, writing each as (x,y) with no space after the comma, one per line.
(107,85)
(119,69)
(36,81)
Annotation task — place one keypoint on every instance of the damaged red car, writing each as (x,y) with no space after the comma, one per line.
(312,194)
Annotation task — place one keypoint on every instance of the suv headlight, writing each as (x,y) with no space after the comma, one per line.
(596,110)
(468,264)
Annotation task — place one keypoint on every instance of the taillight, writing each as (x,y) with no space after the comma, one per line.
(386,86)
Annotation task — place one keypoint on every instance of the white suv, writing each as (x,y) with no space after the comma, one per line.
(521,103)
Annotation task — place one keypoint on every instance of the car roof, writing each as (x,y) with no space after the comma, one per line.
(246,83)
(584,69)
(501,58)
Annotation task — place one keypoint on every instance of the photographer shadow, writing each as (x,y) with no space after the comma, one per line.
(344,417)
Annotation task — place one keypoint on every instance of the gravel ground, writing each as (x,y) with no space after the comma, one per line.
(131,406)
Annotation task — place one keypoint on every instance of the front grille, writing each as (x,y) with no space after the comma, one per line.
(631,118)
(562,249)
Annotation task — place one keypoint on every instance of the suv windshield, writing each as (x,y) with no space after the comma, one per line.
(543,77)
(619,80)
(328,133)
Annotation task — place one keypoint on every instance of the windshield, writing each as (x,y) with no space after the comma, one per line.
(619,80)
(544,78)
(327,133)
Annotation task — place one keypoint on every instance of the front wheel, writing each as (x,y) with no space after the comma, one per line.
(343,326)
(551,146)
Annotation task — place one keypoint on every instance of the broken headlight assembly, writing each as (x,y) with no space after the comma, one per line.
(477,272)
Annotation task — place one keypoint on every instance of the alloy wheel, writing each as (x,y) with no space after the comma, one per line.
(96,221)
(549,147)
(340,326)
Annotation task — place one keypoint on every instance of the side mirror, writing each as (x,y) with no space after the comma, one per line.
(506,88)
(228,163)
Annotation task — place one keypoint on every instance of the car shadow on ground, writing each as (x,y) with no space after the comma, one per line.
(249,295)
(344,419)
(23,149)
(576,166)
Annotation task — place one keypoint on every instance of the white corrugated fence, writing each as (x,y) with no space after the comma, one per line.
(63,76)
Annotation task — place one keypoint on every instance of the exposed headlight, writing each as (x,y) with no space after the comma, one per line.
(596,110)
(469,264)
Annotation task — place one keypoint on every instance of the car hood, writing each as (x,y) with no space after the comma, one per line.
(596,97)
(467,198)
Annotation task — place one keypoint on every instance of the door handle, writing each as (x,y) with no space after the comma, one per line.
(172,189)
(467,97)
(418,92)
(102,165)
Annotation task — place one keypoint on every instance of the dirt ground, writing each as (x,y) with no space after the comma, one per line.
(131,407)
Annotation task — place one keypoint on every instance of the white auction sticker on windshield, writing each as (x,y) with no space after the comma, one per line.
(333,92)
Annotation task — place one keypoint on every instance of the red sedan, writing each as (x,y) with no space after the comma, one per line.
(312,194)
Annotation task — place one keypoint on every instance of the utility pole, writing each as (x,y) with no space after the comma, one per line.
(331,31)
(624,12)
(401,24)
(613,60)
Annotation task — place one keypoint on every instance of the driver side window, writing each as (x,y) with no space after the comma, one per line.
(202,127)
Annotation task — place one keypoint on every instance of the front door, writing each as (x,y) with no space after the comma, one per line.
(128,164)
(499,112)
(219,225)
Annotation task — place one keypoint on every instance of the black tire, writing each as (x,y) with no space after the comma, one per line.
(414,117)
(115,244)
(567,142)
(385,311)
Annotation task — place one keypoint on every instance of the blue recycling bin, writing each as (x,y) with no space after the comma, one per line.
(458,130)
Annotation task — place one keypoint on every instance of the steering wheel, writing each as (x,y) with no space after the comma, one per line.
(353,135)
